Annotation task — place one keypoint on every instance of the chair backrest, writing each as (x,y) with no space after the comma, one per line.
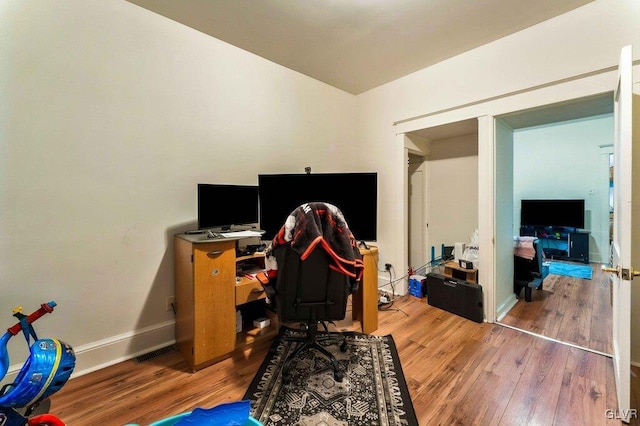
(309,289)
(536,266)
(525,269)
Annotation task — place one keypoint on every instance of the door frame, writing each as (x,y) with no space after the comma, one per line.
(485,112)
(418,234)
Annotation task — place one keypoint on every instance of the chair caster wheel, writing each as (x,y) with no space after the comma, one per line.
(343,346)
(338,376)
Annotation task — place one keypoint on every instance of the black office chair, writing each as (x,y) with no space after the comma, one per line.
(527,273)
(310,293)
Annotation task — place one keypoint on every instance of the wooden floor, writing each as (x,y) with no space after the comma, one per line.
(572,310)
(457,371)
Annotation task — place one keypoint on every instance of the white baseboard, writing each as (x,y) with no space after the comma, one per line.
(399,288)
(104,353)
(506,306)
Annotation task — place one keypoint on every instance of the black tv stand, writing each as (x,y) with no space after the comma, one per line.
(560,243)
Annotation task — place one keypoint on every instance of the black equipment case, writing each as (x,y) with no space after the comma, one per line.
(457,296)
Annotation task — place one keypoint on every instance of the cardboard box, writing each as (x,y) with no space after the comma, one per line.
(261,322)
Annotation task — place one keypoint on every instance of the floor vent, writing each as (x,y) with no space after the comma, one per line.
(156,353)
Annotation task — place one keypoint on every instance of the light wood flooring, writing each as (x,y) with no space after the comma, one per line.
(457,371)
(571,310)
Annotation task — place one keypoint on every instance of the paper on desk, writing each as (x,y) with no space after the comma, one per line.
(242,234)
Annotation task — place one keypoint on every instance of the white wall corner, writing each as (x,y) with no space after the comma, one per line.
(505,307)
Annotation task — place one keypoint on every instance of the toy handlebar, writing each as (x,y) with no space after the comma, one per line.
(45,308)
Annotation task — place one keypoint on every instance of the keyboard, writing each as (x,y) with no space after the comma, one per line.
(241,234)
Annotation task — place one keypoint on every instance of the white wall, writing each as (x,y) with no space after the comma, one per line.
(503,219)
(110,116)
(565,160)
(452,203)
(582,41)
(416,219)
(549,62)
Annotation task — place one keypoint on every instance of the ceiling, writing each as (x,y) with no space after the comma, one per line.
(356,45)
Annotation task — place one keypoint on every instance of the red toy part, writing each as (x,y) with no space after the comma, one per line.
(45,308)
(45,420)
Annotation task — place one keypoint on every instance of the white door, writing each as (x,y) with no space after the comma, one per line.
(622,222)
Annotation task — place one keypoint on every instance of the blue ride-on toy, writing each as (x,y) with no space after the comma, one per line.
(46,370)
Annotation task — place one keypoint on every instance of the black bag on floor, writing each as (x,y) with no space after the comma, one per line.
(456,296)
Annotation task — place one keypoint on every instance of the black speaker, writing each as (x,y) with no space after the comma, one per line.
(456,296)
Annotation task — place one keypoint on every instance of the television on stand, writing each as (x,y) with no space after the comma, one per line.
(559,213)
(559,224)
(355,194)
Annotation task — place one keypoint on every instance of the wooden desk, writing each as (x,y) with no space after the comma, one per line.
(207,296)
(470,275)
(365,302)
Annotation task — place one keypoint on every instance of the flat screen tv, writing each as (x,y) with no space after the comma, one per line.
(555,213)
(355,194)
(222,206)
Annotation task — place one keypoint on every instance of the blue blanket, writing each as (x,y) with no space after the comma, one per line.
(571,270)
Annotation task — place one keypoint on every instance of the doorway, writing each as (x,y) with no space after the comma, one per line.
(505,217)
(443,179)
(561,151)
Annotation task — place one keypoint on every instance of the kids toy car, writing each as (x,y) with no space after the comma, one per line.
(46,370)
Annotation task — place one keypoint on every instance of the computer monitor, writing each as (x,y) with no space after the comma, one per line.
(223,206)
(355,194)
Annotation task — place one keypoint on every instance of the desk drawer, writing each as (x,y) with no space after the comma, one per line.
(248,290)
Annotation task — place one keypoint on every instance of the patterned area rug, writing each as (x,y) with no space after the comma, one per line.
(373,391)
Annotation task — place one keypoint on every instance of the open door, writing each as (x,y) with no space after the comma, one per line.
(621,268)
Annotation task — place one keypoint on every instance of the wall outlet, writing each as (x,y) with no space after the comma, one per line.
(171,302)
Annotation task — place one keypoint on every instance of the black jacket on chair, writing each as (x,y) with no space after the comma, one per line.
(320,224)
(317,266)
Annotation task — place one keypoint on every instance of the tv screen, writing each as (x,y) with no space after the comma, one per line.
(221,206)
(355,194)
(558,213)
